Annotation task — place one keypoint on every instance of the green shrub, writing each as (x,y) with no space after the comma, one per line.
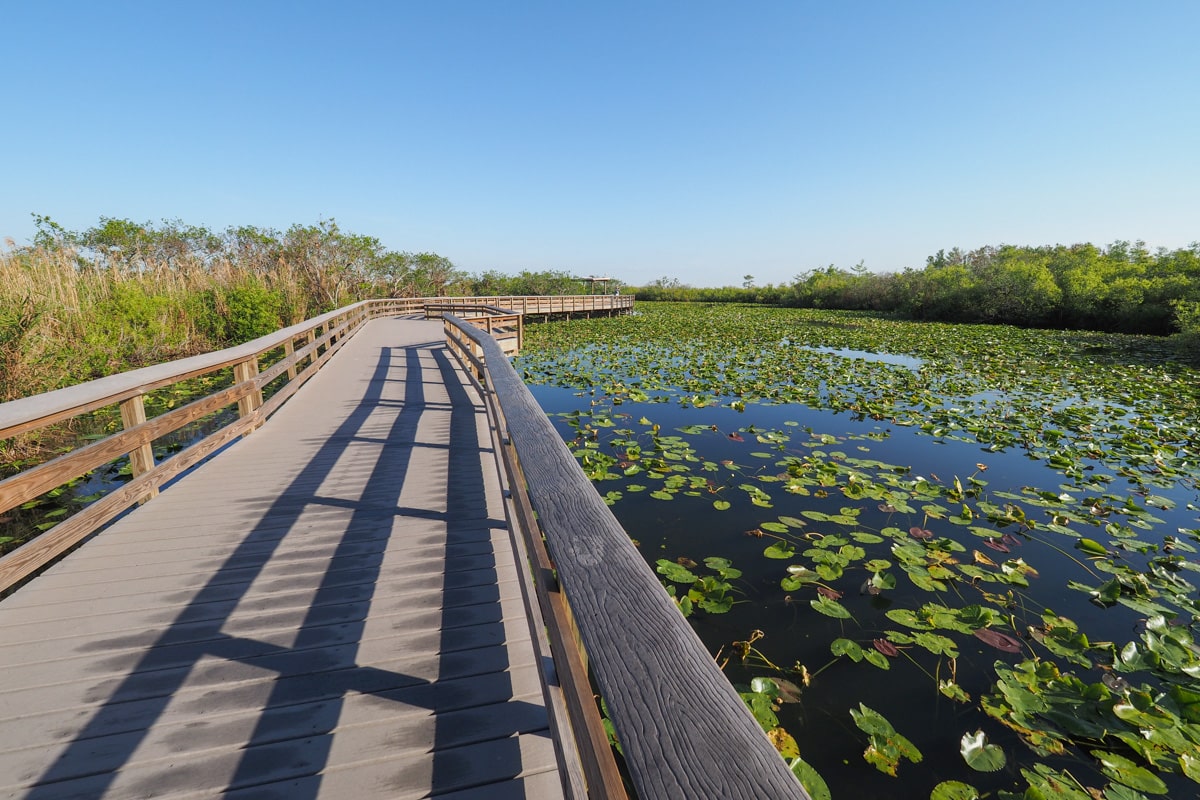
(132,328)
(253,311)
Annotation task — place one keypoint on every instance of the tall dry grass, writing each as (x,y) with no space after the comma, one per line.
(64,319)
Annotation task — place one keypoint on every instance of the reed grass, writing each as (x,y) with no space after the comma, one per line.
(66,319)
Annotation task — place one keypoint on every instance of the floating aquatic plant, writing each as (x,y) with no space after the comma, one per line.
(920,518)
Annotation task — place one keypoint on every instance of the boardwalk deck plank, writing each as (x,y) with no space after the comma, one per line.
(329,608)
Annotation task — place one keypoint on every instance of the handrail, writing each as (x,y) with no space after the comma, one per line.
(306,347)
(507,327)
(684,730)
(435,309)
(530,305)
(28,413)
(319,337)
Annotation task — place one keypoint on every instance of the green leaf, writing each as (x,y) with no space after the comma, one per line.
(717,563)
(937,644)
(716,605)
(886,746)
(761,706)
(780,549)
(954,790)
(980,755)
(1091,547)
(676,573)
(810,779)
(908,618)
(877,658)
(1129,773)
(953,691)
(774,527)
(883,580)
(846,647)
(721,505)
(830,608)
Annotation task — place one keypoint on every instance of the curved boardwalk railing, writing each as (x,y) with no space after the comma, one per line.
(684,730)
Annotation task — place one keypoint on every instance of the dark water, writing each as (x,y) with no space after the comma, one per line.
(795,634)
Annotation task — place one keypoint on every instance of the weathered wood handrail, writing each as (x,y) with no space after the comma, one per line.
(320,338)
(547,305)
(684,730)
(305,348)
(504,326)
(436,309)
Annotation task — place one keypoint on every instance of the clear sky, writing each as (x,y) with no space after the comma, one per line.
(692,139)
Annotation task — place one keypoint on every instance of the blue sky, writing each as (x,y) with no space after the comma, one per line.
(697,140)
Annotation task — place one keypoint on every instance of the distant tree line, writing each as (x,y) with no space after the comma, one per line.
(77,305)
(1122,287)
(333,266)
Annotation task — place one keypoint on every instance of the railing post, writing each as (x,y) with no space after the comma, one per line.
(289,350)
(141,459)
(247,371)
(309,338)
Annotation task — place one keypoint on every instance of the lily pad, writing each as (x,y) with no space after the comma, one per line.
(954,790)
(980,755)
(1000,641)
(1129,773)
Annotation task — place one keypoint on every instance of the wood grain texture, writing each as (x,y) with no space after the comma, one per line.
(599,767)
(17,416)
(23,562)
(684,729)
(329,608)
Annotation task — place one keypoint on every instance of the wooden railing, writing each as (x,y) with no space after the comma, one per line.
(282,361)
(301,349)
(684,730)
(504,326)
(529,305)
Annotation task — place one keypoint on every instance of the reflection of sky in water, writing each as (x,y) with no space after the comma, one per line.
(999,397)
(912,362)
(690,527)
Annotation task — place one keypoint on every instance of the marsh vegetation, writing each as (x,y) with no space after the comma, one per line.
(938,560)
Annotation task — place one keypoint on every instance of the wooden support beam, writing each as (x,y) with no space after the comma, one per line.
(244,371)
(289,348)
(141,458)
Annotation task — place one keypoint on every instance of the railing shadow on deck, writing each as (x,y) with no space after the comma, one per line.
(292,738)
(685,731)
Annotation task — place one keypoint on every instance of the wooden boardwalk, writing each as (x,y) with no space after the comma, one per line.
(331,607)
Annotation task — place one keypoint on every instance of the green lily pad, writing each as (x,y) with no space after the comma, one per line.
(1129,773)
(980,755)
(954,790)
(830,608)
(780,549)
(810,779)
